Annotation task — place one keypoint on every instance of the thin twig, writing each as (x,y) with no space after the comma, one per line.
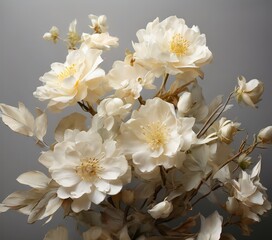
(205,195)
(126,211)
(162,87)
(141,100)
(203,130)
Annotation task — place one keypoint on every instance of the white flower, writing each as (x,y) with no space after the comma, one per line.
(111,110)
(161,210)
(248,197)
(151,135)
(265,135)
(192,104)
(129,80)
(225,129)
(79,78)
(52,35)
(211,227)
(102,41)
(86,168)
(72,37)
(250,92)
(171,46)
(99,23)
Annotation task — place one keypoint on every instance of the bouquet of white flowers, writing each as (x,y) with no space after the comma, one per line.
(149,155)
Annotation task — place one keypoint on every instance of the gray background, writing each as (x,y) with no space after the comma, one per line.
(238,33)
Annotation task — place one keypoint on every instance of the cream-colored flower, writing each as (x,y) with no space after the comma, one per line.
(129,80)
(225,129)
(161,209)
(52,35)
(152,135)
(192,104)
(211,227)
(171,46)
(73,37)
(86,168)
(112,110)
(99,23)
(248,197)
(79,78)
(250,92)
(101,41)
(265,135)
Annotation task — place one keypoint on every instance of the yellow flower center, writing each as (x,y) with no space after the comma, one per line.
(88,168)
(67,72)
(179,45)
(155,134)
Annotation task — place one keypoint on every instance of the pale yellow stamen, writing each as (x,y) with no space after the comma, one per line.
(88,169)
(179,45)
(155,134)
(67,72)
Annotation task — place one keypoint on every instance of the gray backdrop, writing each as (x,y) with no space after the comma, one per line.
(238,33)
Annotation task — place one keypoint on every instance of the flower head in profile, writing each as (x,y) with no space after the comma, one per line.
(248,197)
(73,37)
(52,35)
(211,227)
(86,168)
(249,93)
(129,80)
(99,23)
(171,47)
(79,78)
(101,41)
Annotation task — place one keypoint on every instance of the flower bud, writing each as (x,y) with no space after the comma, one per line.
(72,37)
(185,103)
(244,161)
(52,35)
(265,135)
(227,129)
(249,92)
(161,210)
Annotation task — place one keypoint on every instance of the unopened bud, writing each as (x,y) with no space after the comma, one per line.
(265,135)
(161,210)
(244,161)
(52,35)
(227,129)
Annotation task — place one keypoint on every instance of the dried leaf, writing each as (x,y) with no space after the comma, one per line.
(40,124)
(19,119)
(72,121)
(34,179)
(189,223)
(59,233)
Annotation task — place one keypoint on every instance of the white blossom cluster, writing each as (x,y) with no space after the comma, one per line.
(142,164)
